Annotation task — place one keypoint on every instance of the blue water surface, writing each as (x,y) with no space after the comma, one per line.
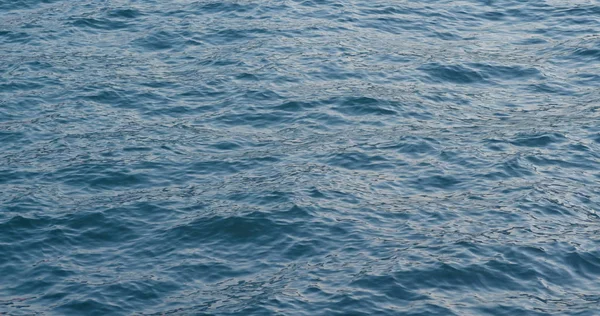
(299,157)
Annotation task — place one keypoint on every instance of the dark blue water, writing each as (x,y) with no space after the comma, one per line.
(324,157)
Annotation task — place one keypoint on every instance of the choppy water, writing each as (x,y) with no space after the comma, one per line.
(350,157)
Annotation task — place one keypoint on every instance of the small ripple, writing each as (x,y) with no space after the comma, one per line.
(360,161)
(11,37)
(452,73)
(251,228)
(99,24)
(158,41)
(129,13)
(365,105)
(538,140)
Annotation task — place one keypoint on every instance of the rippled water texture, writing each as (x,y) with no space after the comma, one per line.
(325,157)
